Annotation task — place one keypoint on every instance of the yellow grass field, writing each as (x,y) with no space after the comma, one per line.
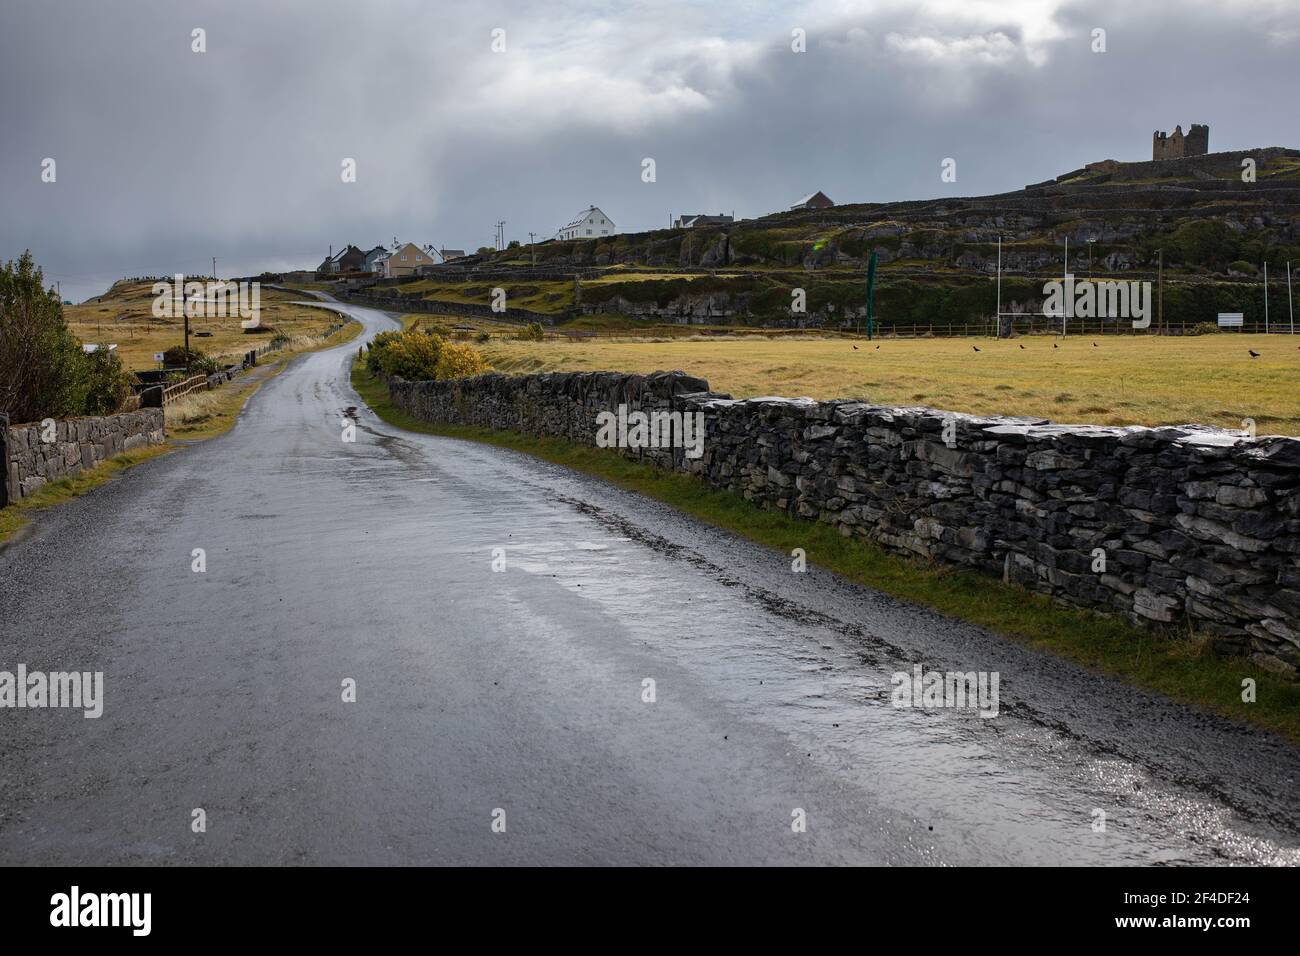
(1129,380)
(125,317)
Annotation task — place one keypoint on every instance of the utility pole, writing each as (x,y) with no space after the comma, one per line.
(1160,294)
(871,290)
(1266,297)
(532,245)
(214,268)
(1065,277)
(1289,310)
(998,320)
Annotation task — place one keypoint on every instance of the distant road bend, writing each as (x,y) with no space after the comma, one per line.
(523,690)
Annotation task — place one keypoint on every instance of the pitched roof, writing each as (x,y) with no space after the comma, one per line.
(812,196)
(583,215)
(338,256)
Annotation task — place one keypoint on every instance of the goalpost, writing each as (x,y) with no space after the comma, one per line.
(1065,275)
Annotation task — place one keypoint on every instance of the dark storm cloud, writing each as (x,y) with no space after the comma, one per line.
(166,157)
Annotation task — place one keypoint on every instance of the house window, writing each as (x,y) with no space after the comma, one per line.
(403,258)
(589,232)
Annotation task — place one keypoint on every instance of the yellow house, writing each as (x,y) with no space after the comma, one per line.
(403,261)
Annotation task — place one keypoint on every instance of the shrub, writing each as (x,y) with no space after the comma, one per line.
(411,355)
(459,360)
(108,384)
(42,367)
(194,361)
(374,355)
(483,337)
(416,356)
(178,355)
(532,332)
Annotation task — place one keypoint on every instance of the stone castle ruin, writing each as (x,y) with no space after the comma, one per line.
(1176,146)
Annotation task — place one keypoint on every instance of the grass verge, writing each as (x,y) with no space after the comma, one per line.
(1181,668)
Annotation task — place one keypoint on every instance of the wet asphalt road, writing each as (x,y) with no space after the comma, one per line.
(522,689)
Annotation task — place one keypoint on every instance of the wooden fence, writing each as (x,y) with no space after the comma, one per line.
(172,392)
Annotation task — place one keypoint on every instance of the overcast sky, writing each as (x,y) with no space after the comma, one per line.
(166,157)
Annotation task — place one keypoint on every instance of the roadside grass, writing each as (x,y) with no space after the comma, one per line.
(1172,663)
(196,417)
(19,514)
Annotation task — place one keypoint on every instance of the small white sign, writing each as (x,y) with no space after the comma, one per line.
(157,356)
(1231,319)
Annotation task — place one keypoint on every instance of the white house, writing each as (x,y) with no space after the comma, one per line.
(591,223)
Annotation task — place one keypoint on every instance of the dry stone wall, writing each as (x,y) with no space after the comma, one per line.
(1186,526)
(78,443)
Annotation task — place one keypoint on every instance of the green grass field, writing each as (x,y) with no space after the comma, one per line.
(1121,380)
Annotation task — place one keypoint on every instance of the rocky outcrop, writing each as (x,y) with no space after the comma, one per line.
(1186,526)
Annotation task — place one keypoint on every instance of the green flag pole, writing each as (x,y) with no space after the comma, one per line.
(871,288)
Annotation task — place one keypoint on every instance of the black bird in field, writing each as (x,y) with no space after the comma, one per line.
(1095,345)
(877,348)
(855,348)
(1055,346)
(975,347)
(1253,353)
(1022,347)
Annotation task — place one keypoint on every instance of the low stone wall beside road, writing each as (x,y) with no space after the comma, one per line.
(78,444)
(1189,526)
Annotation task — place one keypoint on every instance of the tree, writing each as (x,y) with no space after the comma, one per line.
(485,250)
(43,371)
(513,244)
